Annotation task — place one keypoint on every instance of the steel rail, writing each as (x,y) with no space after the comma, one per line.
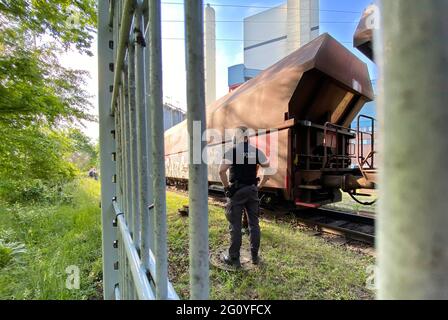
(368,220)
(117,293)
(311,218)
(336,215)
(144,145)
(140,104)
(198,177)
(171,292)
(134,139)
(138,273)
(150,236)
(348,233)
(125,28)
(108,151)
(111,13)
(158,147)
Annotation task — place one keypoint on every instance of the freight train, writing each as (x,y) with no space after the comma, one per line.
(306,103)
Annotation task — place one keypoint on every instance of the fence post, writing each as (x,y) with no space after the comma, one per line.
(198,179)
(107,147)
(127,128)
(150,237)
(158,151)
(134,138)
(413,216)
(142,159)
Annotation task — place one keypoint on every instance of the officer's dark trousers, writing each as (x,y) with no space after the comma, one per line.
(244,198)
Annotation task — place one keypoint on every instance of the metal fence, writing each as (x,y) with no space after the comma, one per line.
(133,195)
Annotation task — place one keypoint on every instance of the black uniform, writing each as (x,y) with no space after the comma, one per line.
(244,159)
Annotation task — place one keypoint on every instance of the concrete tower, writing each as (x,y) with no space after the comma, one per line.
(273,34)
(303,23)
(210,55)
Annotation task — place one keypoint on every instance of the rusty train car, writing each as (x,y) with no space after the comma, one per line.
(363,37)
(308,101)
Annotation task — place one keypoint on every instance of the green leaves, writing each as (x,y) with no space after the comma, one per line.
(35,87)
(10,253)
(35,153)
(40,100)
(54,18)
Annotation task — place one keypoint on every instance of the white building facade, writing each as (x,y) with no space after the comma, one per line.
(210,54)
(271,35)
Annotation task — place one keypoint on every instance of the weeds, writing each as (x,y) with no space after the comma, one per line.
(296,265)
(56,236)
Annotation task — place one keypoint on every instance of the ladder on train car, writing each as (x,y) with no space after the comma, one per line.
(134,228)
(366,162)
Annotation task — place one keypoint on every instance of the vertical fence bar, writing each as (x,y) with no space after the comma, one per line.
(413,219)
(116,27)
(198,180)
(119,126)
(121,178)
(149,236)
(145,148)
(133,125)
(124,169)
(158,151)
(121,172)
(124,265)
(127,129)
(116,178)
(142,161)
(121,266)
(107,147)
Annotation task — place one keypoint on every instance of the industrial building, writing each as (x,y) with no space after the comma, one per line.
(279,32)
(172,115)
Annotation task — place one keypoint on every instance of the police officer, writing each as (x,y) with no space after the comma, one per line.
(242,192)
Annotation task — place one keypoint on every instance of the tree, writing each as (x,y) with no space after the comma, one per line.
(40,100)
(33,85)
(68,22)
(84,151)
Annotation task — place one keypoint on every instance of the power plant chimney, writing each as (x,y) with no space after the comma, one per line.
(210,54)
(303,23)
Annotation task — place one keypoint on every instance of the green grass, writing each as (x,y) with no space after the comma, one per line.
(54,237)
(296,265)
(38,243)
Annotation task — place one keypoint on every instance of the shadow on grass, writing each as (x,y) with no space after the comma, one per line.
(296,265)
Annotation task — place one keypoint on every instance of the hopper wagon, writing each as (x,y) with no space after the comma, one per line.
(301,110)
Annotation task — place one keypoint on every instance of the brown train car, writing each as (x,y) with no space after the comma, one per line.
(363,37)
(305,102)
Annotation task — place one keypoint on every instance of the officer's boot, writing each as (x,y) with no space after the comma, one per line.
(255,258)
(232,262)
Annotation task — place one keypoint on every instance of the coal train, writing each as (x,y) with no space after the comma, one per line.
(308,101)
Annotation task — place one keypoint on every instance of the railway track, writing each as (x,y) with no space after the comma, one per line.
(358,227)
(352,226)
